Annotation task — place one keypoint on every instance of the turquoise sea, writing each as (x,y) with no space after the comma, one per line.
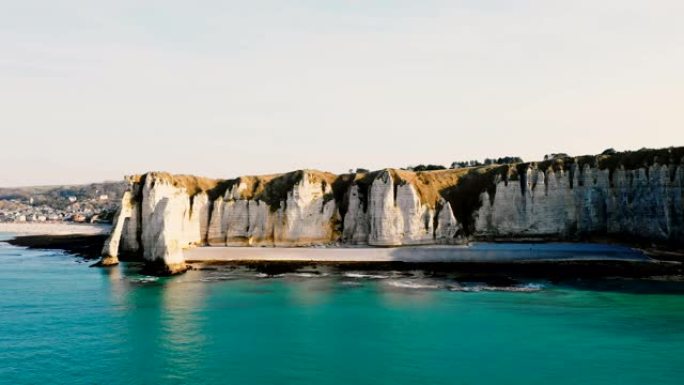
(62,322)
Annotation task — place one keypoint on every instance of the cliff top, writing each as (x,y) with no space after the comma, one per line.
(629,160)
(461,187)
(273,189)
(192,184)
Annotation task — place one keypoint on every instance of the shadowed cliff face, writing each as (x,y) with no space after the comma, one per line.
(643,203)
(635,194)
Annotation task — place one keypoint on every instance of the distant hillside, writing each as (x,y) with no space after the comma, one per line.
(58,197)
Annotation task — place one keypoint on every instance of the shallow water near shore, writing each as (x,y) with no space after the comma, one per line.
(63,322)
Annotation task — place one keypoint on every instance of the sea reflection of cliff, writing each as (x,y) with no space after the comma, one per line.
(164,318)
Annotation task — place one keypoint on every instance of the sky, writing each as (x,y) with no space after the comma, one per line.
(93,91)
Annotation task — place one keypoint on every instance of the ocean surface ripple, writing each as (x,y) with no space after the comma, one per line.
(62,322)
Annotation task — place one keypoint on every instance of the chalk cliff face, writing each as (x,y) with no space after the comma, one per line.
(304,215)
(393,214)
(644,203)
(163,214)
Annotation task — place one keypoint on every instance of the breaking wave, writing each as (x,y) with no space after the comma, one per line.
(145,279)
(408,284)
(524,288)
(213,278)
(365,276)
(306,275)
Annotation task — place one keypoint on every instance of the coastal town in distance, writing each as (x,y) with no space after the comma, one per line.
(91,203)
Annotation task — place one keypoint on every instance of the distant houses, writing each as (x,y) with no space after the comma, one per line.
(78,212)
(96,203)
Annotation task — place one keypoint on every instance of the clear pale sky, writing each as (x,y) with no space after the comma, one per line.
(94,90)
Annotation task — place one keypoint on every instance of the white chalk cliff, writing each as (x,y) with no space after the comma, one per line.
(645,202)
(163,214)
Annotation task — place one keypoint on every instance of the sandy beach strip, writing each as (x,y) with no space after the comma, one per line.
(473,253)
(53,228)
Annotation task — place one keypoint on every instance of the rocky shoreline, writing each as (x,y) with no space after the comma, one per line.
(550,270)
(84,240)
(88,246)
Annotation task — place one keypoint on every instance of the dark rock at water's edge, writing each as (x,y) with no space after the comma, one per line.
(88,246)
(614,276)
(475,271)
(106,262)
(160,269)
